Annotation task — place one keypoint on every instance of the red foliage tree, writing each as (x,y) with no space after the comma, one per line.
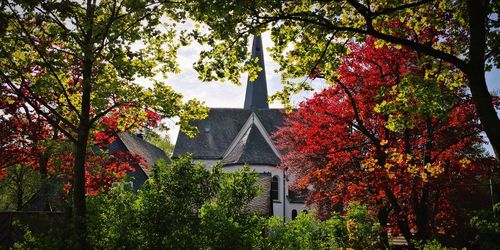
(410,174)
(26,138)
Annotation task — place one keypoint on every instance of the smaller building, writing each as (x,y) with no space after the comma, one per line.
(125,142)
(130,143)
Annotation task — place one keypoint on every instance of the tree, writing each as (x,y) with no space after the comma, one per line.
(30,144)
(24,143)
(465,35)
(74,62)
(487,227)
(408,161)
(19,184)
(202,208)
(161,141)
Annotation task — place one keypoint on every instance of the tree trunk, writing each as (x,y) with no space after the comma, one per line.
(19,189)
(477,11)
(383,218)
(80,152)
(19,199)
(484,107)
(403,224)
(79,202)
(44,187)
(421,206)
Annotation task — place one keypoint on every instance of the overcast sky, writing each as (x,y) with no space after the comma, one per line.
(229,95)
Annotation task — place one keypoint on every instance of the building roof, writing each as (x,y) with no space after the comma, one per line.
(131,143)
(251,148)
(262,204)
(126,142)
(147,151)
(223,128)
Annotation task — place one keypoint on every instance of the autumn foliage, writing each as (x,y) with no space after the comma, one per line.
(28,139)
(391,134)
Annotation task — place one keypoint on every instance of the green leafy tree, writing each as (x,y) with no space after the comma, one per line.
(309,39)
(486,225)
(182,206)
(161,141)
(226,221)
(186,206)
(18,186)
(75,62)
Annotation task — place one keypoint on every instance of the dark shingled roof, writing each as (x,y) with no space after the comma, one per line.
(262,204)
(216,133)
(125,142)
(271,118)
(149,152)
(128,142)
(220,128)
(252,148)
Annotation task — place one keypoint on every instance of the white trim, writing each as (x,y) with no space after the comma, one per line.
(267,137)
(238,137)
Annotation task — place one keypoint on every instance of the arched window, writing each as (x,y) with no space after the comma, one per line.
(294,214)
(275,188)
(304,211)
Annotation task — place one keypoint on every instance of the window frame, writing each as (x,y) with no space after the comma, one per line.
(275,182)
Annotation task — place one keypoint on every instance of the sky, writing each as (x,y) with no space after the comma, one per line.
(230,95)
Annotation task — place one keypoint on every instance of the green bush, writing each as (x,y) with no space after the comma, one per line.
(357,229)
(185,206)
(181,206)
(486,225)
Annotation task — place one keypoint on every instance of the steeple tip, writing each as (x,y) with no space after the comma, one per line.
(256,92)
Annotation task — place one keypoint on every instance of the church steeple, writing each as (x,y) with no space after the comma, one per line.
(256,95)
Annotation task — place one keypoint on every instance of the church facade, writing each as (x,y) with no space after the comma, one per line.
(236,137)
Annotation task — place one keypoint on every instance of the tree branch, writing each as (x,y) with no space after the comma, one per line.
(52,122)
(360,125)
(391,10)
(323,22)
(49,65)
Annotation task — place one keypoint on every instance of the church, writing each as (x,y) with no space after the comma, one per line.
(236,137)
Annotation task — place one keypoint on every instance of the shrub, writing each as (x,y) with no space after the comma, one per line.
(356,229)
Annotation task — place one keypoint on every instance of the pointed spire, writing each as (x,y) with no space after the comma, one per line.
(256,95)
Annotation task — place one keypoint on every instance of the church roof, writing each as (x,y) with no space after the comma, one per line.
(238,136)
(127,142)
(222,126)
(251,148)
